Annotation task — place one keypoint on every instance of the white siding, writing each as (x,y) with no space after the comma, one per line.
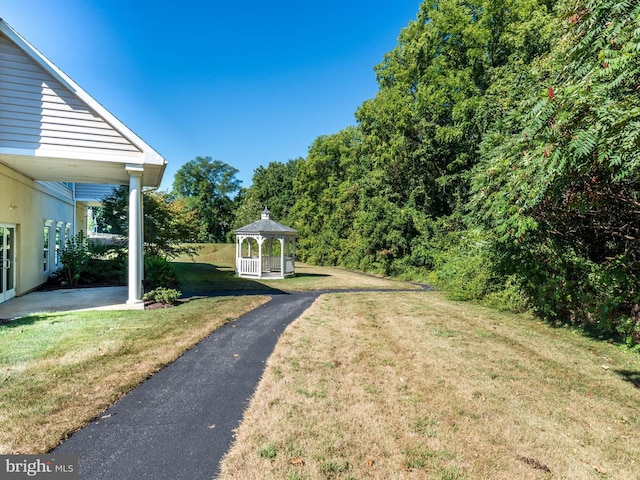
(60,190)
(36,111)
(92,192)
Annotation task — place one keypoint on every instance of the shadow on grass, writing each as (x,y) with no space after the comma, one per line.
(311,275)
(10,323)
(628,376)
(204,279)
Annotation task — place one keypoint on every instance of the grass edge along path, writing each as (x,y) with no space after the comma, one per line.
(60,370)
(409,385)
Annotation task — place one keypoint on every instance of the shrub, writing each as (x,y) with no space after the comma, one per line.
(74,258)
(158,272)
(466,268)
(107,265)
(168,296)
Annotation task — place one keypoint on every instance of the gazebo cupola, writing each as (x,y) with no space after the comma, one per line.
(265,249)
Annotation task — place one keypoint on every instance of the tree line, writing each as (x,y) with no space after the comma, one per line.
(499,160)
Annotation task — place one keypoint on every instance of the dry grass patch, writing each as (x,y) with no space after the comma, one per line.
(408,385)
(60,370)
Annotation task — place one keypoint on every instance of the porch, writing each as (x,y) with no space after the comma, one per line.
(97,298)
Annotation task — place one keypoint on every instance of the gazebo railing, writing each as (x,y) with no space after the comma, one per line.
(270,264)
(289,265)
(248,266)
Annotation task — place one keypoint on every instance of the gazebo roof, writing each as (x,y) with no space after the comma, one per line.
(266,226)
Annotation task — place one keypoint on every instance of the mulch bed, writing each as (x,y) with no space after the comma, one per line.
(155,305)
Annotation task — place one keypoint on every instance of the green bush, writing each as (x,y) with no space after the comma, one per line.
(168,296)
(509,298)
(74,258)
(107,265)
(158,272)
(466,269)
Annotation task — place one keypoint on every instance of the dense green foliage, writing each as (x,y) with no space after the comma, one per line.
(168,222)
(207,187)
(88,262)
(376,197)
(158,272)
(272,187)
(559,188)
(498,159)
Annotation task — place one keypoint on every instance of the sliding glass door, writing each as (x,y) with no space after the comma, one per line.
(8,261)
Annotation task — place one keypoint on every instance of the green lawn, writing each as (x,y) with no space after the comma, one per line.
(213,269)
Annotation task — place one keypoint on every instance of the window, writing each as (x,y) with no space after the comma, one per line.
(58,244)
(46,245)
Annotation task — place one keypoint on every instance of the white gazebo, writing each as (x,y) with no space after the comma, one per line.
(265,249)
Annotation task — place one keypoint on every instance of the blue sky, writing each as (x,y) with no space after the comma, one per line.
(245,82)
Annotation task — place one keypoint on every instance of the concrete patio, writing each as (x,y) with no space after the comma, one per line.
(99,298)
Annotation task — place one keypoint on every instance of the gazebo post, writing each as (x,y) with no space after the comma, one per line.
(269,253)
(260,240)
(238,256)
(293,254)
(282,272)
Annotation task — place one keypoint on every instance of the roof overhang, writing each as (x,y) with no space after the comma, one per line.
(266,233)
(81,170)
(73,164)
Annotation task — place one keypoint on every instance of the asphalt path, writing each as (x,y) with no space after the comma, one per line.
(179,423)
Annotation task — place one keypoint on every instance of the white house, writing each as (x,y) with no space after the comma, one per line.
(60,151)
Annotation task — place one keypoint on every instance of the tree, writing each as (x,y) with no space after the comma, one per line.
(272,187)
(561,188)
(370,197)
(168,224)
(321,216)
(206,186)
(247,210)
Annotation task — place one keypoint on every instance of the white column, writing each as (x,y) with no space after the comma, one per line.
(282,272)
(141,246)
(238,257)
(293,254)
(260,240)
(135,233)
